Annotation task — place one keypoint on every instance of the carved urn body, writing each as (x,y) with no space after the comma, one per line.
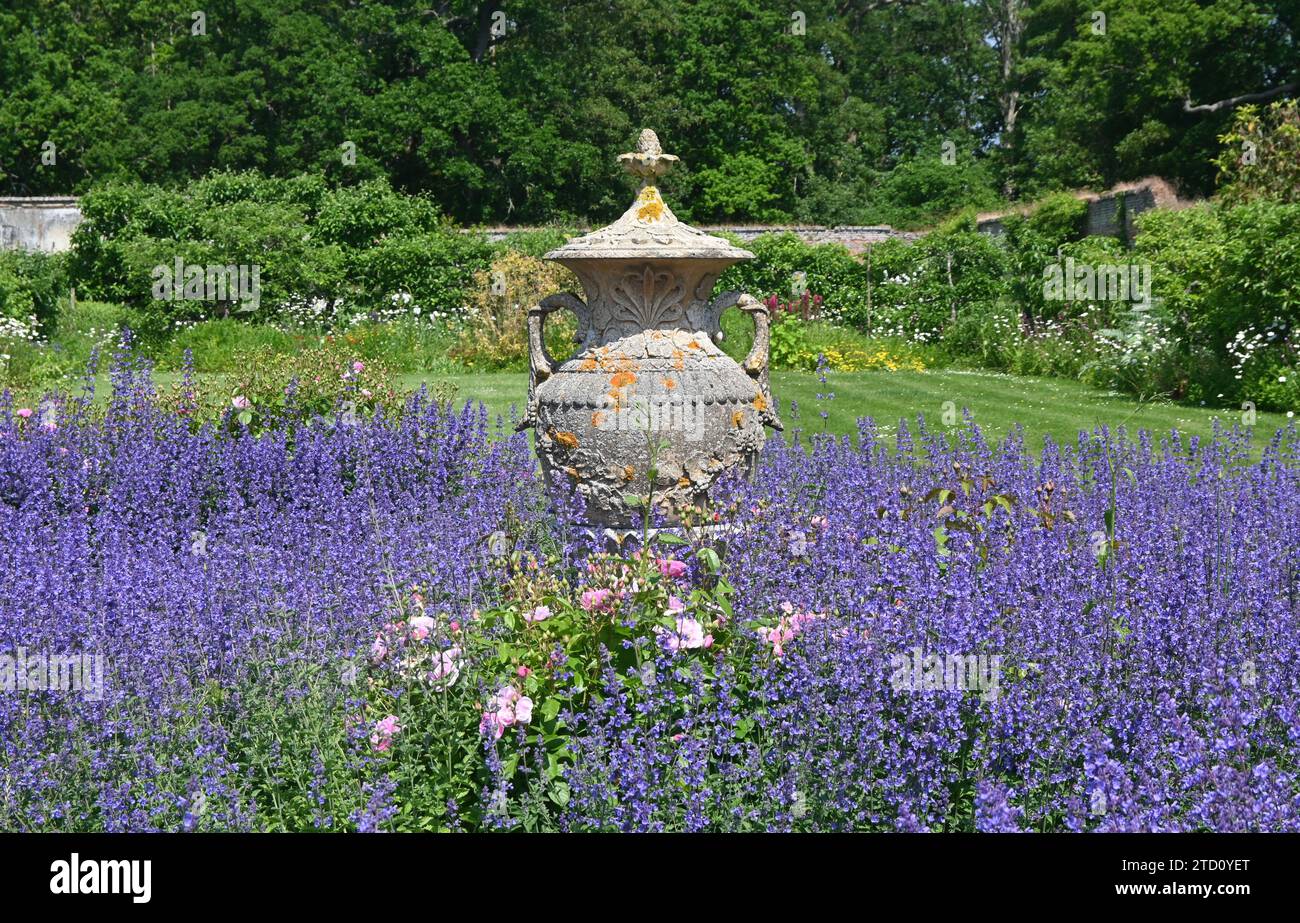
(648,386)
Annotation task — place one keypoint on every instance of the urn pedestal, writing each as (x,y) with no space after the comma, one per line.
(648,385)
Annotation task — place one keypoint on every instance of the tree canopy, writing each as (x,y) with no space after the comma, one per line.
(827,111)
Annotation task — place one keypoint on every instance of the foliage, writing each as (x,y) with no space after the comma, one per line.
(31,284)
(324,382)
(495,332)
(827,269)
(1231,277)
(789,346)
(324,255)
(1120,76)
(1261,154)
(836,121)
(921,191)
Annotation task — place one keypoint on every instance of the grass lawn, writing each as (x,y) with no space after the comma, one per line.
(1044,406)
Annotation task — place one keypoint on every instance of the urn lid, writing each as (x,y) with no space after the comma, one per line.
(649,229)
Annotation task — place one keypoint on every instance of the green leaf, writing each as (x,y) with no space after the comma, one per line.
(668,538)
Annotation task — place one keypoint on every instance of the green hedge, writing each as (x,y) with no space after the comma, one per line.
(351,249)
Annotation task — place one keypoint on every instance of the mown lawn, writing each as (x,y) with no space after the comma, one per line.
(1044,406)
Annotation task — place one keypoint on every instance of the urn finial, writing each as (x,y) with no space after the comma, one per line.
(648,161)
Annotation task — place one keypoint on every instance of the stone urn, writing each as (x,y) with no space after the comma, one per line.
(648,387)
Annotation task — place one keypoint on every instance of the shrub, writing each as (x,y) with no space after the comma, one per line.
(828,269)
(495,331)
(924,190)
(789,346)
(1261,154)
(535,243)
(31,285)
(326,380)
(436,269)
(324,255)
(1230,279)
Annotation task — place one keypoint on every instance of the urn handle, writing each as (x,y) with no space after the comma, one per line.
(755,364)
(541,364)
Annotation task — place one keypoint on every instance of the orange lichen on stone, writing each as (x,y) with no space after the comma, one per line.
(573,473)
(618,362)
(628,472)
(622,379)
(683,481)
(597,419)
(566,439)
(669,383)
(587,365)
(760,402)
(738,419)
(693,344)
(652,205)
(679,359)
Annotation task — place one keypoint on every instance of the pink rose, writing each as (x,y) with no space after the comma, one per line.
(597,600)
(385,730)
(508,708)
(689,635)
(24,412)
(421,626)
(507,696)
(446,669)
(540,614)
(671,568)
